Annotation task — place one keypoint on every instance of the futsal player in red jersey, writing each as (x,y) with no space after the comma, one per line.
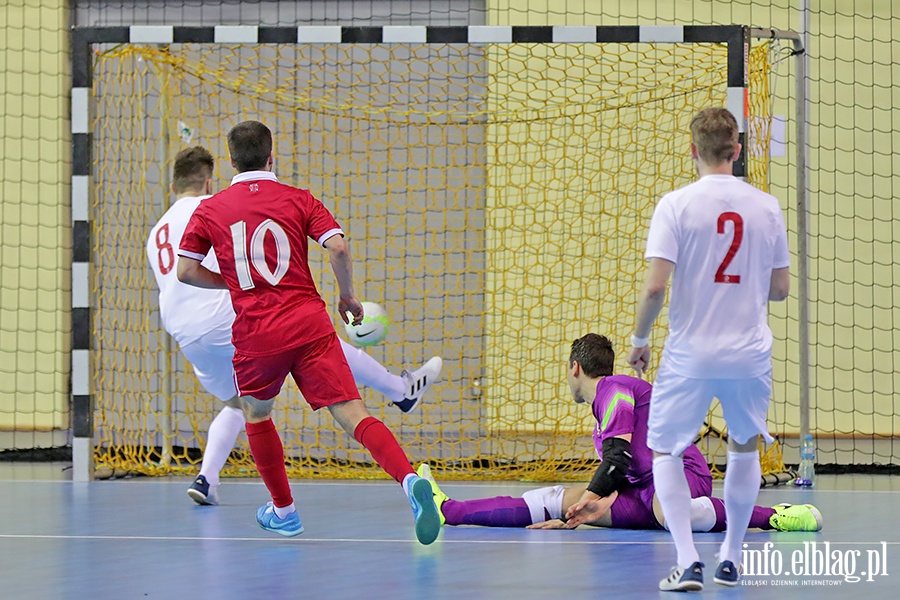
(258,228)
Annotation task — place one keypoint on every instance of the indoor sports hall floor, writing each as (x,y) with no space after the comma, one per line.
(143,539)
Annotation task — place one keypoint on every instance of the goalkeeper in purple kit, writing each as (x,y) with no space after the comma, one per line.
(621,493)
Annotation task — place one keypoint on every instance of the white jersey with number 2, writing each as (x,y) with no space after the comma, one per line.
(187,312)
(725,237)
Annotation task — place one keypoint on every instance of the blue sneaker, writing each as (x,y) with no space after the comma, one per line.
(428,519)
(684,580)
(202,493)
(727,574)
(288,526)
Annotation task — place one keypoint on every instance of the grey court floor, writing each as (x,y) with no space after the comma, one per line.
(143,538)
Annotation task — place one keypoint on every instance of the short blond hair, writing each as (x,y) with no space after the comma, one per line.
(715,133)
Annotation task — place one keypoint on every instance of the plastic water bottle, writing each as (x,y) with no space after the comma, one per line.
(807,474)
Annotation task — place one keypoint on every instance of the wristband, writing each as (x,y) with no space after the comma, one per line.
(638,342)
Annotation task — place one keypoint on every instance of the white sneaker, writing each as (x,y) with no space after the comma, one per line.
(684,580)
(418,382)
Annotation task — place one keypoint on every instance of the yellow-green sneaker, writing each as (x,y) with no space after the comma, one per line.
(424,471)
(796,517)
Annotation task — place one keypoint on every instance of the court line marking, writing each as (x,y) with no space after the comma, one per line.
(447,483)
(311,540)
(157,538)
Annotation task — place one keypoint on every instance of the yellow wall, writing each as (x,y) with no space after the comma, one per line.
(34,221)
(854,226)
(583,139)
(853,137)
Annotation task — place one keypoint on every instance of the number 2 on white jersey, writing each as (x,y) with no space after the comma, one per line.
(738,222)
(258,252)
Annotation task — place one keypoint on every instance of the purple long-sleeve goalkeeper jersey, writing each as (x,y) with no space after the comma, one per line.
(622,406)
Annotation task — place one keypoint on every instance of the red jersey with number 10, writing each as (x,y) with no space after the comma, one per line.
(259,229)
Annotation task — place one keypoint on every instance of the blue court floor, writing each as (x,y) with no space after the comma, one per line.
(144,539)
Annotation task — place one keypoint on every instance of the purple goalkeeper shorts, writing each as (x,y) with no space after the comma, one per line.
(633,509)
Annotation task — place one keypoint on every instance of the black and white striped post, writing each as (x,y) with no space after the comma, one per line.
(82,400)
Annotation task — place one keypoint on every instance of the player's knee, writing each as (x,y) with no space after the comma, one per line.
(349,414)
(256,411)
(237,413)
(571,496)
(658,512)
(750,445)
(703,514)
(545,503)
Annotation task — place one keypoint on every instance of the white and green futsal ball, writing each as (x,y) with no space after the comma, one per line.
(374,327)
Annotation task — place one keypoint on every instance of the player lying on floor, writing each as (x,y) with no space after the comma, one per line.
(621,493)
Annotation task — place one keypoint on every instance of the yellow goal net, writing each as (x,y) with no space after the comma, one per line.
(496,199)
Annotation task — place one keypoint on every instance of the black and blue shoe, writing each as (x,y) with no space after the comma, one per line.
(727,574)
(203,493)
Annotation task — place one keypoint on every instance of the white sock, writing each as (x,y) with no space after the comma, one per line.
(284,511)
(703,514)
(742,475)
(675,498)
(545,499)
(369,372)
(223,432)
(405,483)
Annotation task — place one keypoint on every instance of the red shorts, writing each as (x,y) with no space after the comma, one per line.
(319,368)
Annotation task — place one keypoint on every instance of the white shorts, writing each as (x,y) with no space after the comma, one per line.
(211,356)
(678,406)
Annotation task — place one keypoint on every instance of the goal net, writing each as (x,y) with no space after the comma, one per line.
(496,199)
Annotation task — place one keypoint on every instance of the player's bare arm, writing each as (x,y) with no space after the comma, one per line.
(601,492)
(780,286)
(191,272)
(571,495)
(650,304)
(342,265)
(596,514)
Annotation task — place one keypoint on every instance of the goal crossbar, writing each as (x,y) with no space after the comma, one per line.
(736,38)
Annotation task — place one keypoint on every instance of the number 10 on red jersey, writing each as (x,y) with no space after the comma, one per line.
(257,253)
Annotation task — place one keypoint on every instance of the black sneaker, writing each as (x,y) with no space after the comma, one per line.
(202,493)
(684,580)
(727,574)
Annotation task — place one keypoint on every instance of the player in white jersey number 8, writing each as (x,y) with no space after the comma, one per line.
(200,321)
